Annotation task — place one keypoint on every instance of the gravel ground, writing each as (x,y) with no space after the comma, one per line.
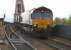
(3,46)
(2,33)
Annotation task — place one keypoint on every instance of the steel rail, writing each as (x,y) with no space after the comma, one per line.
(23,40)
(9,40)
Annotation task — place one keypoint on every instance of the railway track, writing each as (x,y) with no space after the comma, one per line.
(16,41)
(62,41)
(34,42)
(55,43)
(58,45)
(39,44)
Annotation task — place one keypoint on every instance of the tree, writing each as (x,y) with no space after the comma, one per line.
(69,20)
(64,21)
(57,20)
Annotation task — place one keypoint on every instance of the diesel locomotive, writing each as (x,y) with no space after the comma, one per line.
(42,19)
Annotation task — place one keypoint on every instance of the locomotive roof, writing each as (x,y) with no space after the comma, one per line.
(42,9)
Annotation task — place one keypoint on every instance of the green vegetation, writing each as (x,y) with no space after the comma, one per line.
(1,23)
(62,21)
(69,20)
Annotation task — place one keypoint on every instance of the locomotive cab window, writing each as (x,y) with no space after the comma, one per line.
(43,15)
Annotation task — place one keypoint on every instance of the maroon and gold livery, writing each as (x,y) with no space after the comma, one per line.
(42,17)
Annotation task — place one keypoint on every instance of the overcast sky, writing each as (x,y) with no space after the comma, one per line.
(60,8)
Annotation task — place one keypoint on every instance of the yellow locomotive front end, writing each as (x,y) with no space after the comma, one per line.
(42,23)
(42,20)
(42,17)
